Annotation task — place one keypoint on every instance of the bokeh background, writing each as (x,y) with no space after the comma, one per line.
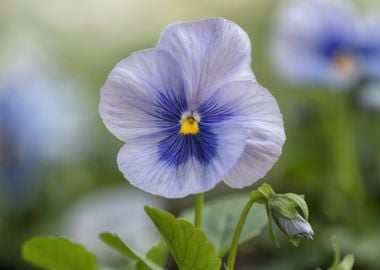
(58,172)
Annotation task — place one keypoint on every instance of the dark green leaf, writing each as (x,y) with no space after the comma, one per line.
(116,243)
(189,245)
(58,254)
(295,241)
(158,254)
(272,234)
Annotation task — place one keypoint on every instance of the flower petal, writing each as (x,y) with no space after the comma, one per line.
(253,107)
(144,94)
(143,166)
(211,53)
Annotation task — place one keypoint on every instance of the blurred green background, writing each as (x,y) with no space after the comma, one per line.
(61,177)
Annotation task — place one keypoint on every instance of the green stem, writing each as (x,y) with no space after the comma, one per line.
(237,233)
(199,210)
(342,139)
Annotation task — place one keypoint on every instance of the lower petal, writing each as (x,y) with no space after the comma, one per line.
(143,167)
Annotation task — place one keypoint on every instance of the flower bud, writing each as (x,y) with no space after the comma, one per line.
(296,227)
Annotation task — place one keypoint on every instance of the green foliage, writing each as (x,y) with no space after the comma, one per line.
(282,206)
(258,197)
(157,254)
(299,201)
(266,190)
(346,264)
(272,234)
(189,245)
(116,243)
(348,261)
(221,216)
(58,254)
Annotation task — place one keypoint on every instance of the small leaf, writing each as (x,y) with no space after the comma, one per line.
(258,197)
(58,254)
(220,217)
(158,254)
(189,245)
(295,241)
(266,190)
(116,243)
(282,205)
(347,263)
(272,234)
(300,202)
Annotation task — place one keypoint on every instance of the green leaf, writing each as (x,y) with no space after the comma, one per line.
(347,263)
(272,234)
(58,254)
(158,254)
(221,215)
(116,243)
(300,202)
(258,197)
(189,245)
(283,206)
(266,190)
(295,241)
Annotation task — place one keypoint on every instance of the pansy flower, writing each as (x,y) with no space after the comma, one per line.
(326,43)
(191,113)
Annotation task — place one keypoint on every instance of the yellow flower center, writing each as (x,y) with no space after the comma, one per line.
(189,126)
(345,64)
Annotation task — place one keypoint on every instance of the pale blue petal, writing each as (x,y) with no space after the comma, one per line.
(143,166)
(131,99)
(299,31)
(253,107)
(211,53)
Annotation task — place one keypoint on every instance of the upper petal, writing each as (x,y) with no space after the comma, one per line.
(253,107)
(143,95)
(187,170)
(211,53)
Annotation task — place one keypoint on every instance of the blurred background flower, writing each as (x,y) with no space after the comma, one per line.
(56,55)
(326,43)
(40,123)
(117,209)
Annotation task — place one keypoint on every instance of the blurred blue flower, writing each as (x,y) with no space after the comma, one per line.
(116,209)
(18,154)
(38,124)
(325,43)
(191,112)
